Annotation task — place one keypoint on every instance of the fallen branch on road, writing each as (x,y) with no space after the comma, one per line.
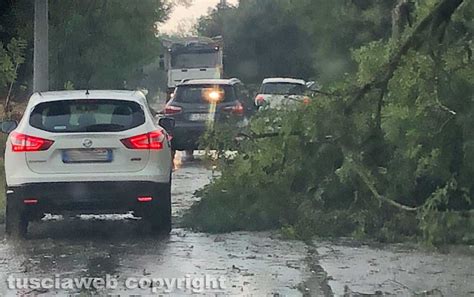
(441,13)
(241,135)
(366,178)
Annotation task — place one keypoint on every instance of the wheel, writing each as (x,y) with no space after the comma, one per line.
(158,218)
(16,222)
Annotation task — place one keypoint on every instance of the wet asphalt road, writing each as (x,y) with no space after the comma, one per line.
(247,263)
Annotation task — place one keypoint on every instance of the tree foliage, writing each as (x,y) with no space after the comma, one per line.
(103,44)
(261,39)
(16,32)
(12,55)
(386,152)
(93,44)
(308,38)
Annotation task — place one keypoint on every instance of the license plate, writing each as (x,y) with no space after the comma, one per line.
(87,156)
(198,117)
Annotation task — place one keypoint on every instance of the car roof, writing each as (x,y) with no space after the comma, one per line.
(231,81)
(136,96)
(284,80)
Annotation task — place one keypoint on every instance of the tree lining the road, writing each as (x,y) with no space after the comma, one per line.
(13,48)
(307,38)
(93,44)
(390,156)
(261,39)
(103,44)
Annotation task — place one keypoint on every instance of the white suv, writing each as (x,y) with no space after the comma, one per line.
(281,92)
(88,152)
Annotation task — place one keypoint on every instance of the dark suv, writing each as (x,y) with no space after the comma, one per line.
(197,104)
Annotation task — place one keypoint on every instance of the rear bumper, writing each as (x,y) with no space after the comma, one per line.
(153,175)
(88,197)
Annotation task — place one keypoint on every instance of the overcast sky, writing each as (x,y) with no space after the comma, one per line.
(183,18)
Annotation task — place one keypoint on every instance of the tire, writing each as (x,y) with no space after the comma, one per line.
(16,221)
(189,156)
(158,218)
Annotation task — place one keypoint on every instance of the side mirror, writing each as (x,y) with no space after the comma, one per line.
(8,126)
(167,124)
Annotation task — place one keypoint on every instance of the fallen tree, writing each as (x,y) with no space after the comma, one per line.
(386,154)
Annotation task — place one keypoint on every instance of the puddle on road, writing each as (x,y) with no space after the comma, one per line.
(250,263)
(395,270)
(186,181)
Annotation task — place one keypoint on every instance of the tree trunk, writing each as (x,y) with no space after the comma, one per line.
(400,18)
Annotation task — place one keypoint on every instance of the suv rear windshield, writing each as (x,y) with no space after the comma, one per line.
(283,89)
(204,94)
(87,115)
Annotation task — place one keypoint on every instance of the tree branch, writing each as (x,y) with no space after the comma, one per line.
(241,135)
(443,11)
(7,100)
(365,177)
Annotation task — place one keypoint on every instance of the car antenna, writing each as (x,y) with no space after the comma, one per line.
(87,92)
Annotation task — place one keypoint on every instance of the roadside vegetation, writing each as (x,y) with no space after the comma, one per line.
(386,151)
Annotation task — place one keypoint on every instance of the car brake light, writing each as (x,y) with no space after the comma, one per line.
(260,100)
(145,199)
(149,141)
(170,109)
(237,109)
(26,143)
(30,201)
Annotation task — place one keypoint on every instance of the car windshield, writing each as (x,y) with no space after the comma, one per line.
(204,94)
(195,60)
(87,116)
(283,89)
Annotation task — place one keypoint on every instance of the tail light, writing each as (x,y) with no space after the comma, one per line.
(306,100)
(237,109)
(149,141)
(30,201)
(26,143)
(170,109)
(145,199)
(260,100)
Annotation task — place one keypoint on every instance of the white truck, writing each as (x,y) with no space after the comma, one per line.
(191,58)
